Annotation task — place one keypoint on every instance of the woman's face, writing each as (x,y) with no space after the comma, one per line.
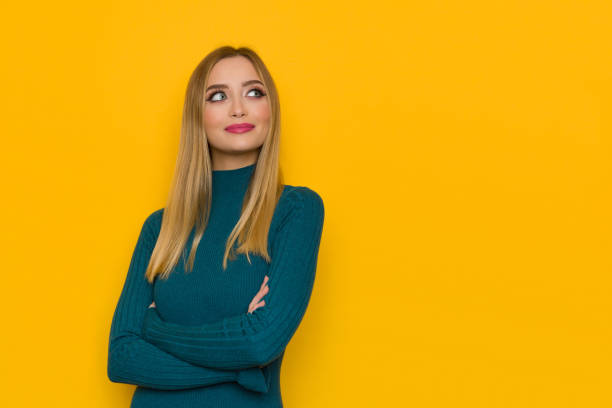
(235,95)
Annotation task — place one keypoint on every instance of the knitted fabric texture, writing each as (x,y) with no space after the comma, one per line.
(198,347)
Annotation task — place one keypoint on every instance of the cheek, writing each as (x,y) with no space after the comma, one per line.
(211,117)
(263,112)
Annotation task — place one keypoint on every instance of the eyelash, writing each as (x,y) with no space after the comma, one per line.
(253,89)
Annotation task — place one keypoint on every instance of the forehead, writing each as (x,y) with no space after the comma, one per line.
(230,70)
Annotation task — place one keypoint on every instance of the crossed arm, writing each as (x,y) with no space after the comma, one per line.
(133,360)
(255,339)
(147,351)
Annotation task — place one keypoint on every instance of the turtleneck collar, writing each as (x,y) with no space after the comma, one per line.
(231,182)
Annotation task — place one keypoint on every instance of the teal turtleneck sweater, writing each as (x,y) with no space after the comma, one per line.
(199,347)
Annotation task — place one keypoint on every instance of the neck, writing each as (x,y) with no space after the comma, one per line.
(232,183)
(223,161)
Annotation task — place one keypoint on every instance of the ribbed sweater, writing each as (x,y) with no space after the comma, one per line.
(199,346)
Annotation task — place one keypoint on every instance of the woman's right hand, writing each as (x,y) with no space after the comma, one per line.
(256,303)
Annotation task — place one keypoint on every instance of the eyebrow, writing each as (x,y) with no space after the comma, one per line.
(223,86)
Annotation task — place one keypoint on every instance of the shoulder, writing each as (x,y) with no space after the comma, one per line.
(300,196)
(152,223)
(299,201)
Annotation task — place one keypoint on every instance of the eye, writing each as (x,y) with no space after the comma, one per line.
(258,90)
(212,98)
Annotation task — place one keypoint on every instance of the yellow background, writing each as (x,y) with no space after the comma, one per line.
(462,150)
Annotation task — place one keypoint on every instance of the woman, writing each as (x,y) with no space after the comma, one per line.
(221,276)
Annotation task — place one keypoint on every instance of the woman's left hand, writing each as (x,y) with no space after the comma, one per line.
(263,290)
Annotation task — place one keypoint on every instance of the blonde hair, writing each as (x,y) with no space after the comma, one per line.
(190,195)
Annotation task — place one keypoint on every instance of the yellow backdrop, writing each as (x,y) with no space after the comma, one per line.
(462,150)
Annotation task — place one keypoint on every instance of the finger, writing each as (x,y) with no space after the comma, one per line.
(260,294)
(254,301)
(254,306)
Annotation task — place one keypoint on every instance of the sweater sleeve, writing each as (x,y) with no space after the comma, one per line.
(132,360)
(257,338)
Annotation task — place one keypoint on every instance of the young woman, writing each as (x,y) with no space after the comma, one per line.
(221,276)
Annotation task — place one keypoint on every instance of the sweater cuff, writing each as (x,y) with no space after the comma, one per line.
(253,379)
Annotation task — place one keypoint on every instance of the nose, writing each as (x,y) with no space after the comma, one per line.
(237,108)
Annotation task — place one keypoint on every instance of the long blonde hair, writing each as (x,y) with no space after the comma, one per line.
(190,195)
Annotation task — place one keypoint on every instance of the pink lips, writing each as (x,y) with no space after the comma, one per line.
(240,127)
